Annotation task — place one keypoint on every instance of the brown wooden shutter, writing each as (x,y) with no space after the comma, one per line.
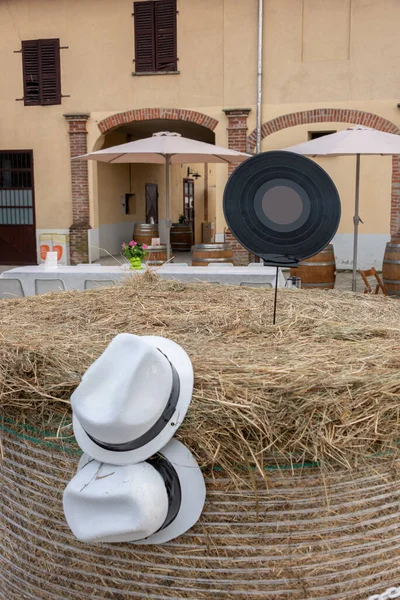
(165,30)
(144,37)
(31,72)
(50,71)
(41,72)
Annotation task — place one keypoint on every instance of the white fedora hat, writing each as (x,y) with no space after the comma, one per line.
(146,503)
(132,399)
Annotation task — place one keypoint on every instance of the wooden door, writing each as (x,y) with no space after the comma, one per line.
(151,202)
(188,202)
(17,208)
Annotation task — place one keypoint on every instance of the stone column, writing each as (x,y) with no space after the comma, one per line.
(395,206)
(78,232)
(237,140)
(237,130)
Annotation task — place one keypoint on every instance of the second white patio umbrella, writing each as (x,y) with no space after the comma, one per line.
(355,140)
(166,148)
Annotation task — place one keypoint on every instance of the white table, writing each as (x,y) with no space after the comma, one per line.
(252,275)
(77,278)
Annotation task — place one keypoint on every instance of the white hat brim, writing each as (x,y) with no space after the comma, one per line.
(182,363)
(193,493)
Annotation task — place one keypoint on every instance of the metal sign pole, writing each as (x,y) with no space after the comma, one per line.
(275,295)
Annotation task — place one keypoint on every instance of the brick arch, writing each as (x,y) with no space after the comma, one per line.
(323,115)
(342,115)
(147,114)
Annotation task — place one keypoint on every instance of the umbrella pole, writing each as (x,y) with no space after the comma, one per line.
(167,207)
(356,220)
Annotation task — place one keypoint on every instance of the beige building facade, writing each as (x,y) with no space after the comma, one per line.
(327,64)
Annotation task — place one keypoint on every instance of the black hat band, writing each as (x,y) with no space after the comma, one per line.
(172,485)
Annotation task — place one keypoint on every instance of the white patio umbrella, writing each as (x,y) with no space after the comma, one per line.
(166,148)
(355,140)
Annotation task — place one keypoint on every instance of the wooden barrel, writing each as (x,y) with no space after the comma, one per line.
(157,255)
(391,269)
(181,237)
(144,232)
(204,254)
(318,271)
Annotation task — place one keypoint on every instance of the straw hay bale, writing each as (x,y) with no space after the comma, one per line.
(321,385)
(309,534)
(295,426)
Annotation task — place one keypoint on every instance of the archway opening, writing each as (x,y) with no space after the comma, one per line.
(380,193)
(135,193)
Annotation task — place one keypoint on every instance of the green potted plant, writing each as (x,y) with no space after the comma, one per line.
(181,219)
(135,253)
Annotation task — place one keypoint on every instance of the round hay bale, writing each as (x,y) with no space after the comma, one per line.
(300,533)
(296,428)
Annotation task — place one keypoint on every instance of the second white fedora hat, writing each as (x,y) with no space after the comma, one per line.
(132,399)
(111,503)
(147,503)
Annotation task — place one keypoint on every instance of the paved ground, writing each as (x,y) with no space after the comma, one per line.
(343,278)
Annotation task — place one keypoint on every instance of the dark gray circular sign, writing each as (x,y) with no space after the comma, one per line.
(282,207)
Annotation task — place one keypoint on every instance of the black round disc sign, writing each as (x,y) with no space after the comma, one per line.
(282,207)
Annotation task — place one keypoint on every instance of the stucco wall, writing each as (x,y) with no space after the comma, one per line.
(315,50)
(317,53)
(113,182)
(375,178)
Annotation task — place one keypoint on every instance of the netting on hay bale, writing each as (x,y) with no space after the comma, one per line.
(295,427)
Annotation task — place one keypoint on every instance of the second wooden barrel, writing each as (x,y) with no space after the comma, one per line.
(318,271)
(157,255)
(204,254)
(391,269)
(181,237)
(144,232)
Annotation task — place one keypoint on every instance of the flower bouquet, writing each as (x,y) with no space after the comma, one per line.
(135,253)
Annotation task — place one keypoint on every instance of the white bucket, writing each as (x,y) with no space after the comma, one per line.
(51,261)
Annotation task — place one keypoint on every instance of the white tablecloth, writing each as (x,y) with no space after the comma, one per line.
(77,278)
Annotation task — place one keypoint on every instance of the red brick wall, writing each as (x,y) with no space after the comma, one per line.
(241,256)
(395,205)
(237,130)
(79,249)
(237,140)
(338,115)
(146,114)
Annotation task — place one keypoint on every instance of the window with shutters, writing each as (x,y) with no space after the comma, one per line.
(155,36)
(41,72)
